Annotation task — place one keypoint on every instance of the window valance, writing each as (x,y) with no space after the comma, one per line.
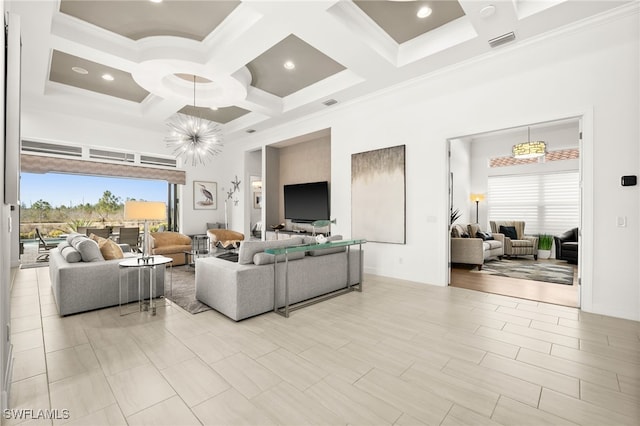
(43,164)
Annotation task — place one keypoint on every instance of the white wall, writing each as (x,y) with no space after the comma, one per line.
(194,221)
(51,126)
(460,166)
(223,172)
(592,70)
(253,173)
(5,254)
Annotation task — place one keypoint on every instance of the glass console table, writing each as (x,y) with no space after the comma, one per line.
(284,311)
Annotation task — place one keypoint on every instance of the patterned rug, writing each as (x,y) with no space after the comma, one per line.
(529,269)
(184,290)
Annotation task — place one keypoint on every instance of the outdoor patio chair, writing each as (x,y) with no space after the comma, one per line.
(43,248)
(100,232)
(130,236)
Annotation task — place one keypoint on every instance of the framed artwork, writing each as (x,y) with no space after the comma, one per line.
(378,195)
(205,195)
(257,200)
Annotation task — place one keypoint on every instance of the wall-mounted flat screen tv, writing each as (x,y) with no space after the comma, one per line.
(306,202)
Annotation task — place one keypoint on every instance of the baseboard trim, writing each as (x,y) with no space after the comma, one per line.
(8,379)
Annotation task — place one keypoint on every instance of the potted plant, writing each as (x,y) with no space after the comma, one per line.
(545,242)
(455,214)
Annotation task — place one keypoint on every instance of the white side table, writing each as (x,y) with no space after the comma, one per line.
(141,265)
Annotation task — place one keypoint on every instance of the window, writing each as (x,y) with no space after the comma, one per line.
(548,203)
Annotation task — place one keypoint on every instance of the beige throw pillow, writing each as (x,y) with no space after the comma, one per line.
(108,248)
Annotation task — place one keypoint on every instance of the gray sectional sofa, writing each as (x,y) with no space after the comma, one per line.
(82,280)
(246,288)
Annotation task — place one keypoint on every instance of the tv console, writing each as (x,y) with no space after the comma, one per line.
(283,235)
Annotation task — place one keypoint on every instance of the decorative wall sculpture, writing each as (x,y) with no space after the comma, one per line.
(378,195)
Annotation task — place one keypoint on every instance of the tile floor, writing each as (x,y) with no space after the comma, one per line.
(399,353)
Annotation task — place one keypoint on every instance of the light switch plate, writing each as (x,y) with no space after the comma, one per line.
(622,221)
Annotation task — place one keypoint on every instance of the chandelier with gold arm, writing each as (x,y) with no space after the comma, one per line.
(194,139)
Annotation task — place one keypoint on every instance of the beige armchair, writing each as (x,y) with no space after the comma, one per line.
(171,244)
(522,245)
(471,250)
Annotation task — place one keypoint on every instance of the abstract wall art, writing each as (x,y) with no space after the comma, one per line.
(378,195)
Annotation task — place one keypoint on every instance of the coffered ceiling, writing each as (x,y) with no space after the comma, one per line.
(257,63)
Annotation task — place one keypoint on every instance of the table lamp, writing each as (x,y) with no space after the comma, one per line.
(145,210)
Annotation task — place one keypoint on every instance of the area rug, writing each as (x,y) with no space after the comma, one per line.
(34,265)
(184,290)
(529,270)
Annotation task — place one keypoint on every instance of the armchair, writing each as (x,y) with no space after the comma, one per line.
(171,244)
(567,246)
(522,245)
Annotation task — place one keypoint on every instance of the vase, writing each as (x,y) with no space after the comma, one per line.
(544,254)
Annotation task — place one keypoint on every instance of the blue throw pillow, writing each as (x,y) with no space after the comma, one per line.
(509,232)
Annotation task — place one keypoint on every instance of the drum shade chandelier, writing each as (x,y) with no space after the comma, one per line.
(529,149)
(193,139)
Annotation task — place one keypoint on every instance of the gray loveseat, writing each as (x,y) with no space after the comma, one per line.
(244,289)
(82,280)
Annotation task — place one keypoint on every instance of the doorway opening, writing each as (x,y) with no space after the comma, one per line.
(521,205)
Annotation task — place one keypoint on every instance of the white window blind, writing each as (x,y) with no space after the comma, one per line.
(548,203)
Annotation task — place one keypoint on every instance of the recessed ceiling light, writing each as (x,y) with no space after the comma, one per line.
(79,70)
(107,77)
(423,12)
(487,11)
(155,1)
(289,65)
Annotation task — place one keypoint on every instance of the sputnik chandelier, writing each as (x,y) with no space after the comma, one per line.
(194,139)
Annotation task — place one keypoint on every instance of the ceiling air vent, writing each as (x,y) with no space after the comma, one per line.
(51,148)
(121,157)
(158,161)
(500,40)
(329,102)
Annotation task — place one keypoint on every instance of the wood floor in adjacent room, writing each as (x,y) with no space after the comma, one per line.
(400,353)
(558,294)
